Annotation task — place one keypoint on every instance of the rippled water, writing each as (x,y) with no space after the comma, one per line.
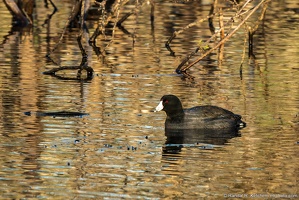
(118,150)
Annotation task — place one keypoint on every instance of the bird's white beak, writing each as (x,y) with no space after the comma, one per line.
(159,107)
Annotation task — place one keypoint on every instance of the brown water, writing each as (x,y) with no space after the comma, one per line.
(117,150)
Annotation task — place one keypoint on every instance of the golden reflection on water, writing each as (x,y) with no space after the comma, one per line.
(117,151)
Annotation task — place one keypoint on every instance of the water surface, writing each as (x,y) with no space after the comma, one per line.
(118,150)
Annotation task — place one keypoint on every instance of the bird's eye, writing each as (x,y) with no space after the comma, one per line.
(165,101)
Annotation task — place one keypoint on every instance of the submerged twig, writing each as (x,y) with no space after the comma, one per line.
(83,66)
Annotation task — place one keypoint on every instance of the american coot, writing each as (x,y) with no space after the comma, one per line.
(199,117)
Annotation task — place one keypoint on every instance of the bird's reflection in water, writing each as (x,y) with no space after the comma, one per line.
(179,138)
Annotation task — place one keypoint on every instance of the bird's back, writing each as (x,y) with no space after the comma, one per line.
(208,117)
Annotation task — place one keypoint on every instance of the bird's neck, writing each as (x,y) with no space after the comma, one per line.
(176,117)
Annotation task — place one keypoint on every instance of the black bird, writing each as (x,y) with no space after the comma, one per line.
(200,117)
